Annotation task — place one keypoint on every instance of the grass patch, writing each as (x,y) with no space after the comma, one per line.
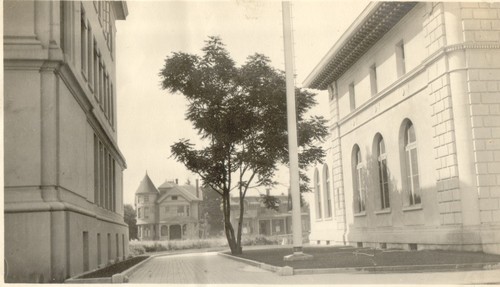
(111,270)
(342,257)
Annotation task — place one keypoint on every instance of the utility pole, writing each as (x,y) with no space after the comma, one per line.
(292,136)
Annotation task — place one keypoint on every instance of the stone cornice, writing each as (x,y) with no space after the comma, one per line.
(373,23)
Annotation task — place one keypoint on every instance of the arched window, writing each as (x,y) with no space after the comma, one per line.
(358,180)
(317,189)
(326,192)
(411,164)
(382,173)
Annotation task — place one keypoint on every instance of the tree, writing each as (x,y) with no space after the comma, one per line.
(129,215)
(240,113)
(211,212)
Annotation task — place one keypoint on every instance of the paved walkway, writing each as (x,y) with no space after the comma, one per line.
(210,268)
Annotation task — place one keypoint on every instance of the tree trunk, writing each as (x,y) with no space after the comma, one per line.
(228,228)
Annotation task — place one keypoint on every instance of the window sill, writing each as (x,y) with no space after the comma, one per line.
(360,214)
(319,219)
(328,219)
(412,207)
(383,211)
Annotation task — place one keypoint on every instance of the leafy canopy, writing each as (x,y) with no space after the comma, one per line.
(241,112)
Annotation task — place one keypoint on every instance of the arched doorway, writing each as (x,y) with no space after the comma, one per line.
(175,232)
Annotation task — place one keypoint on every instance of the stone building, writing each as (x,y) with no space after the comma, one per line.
(414,159)
(63,208)
(169,212)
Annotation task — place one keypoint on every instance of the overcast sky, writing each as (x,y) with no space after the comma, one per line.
(151,119)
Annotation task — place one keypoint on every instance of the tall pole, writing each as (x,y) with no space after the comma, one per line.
(292,132)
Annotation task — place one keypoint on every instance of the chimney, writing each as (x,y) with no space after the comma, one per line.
(176,181)
(267,191)
(197,189)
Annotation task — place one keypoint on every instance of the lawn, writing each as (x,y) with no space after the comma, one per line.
(344,257)
(119,267)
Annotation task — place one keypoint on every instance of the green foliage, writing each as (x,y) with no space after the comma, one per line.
(211,213)
(135,249)
(241,113)
(129,216)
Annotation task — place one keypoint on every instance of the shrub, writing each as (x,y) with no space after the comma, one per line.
(135,249)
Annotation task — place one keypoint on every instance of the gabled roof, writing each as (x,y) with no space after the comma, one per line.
(370,26)
(146,186)
(186,191)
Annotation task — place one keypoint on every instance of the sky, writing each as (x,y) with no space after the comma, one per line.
(150,119)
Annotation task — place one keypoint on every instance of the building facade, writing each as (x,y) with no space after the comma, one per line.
(414,158)
(263,221)
(169,212)
(63,168)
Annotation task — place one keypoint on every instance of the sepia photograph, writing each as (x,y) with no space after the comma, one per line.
(251,142)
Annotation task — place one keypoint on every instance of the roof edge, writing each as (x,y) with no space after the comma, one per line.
(369,9)
(121,9)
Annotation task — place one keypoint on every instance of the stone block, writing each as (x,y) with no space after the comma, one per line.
(493,144)
(484,191)
(479,146)
(494,109)
(484,13)
(486,24)
(494,167)
(488,204)
(486,180)
(482,168)
(494,191)
(481,133)
(495,24)
(490,98)
(479,110)
(486,216)
(486,36)
(467,13)
(477,122)
(471,24)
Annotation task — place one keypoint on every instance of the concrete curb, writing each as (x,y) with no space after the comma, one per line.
(116,278)
(284,271)
(287,270)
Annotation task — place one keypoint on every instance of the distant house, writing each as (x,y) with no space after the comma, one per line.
(260,220)
(169,212)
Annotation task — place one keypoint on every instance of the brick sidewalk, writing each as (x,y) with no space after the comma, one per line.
(210,268)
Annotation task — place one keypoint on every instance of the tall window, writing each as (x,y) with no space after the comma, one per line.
(383,174)
(358,180)
(83,42)
(317,187)
(146,212)
(352,97)
(400,59)
(411,164)
(104,176)
(90,58)
(373,80)
(326,192)
(99,249)
(96,72)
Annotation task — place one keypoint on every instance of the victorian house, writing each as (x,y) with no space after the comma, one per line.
(169,212)
(414,150)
